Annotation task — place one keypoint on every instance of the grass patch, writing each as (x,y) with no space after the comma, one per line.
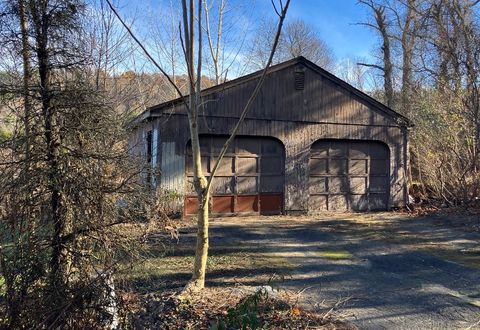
(5,134)
(2,287)
(271,260)
(335,254)
(157,273)
(465,258)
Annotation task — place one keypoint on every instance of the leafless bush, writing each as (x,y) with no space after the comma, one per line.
(433,52)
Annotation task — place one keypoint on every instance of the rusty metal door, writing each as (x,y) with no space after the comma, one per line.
(250,179)
(349,175)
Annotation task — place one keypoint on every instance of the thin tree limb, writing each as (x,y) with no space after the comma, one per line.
(147,53)
(371,66)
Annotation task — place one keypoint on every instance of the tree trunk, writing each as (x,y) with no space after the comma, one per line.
(201,250)
(200,183)
(407,49)
(381,20)
(26,76)
(60,258)
(382,26)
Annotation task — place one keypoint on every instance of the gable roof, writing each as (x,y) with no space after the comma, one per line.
(158,109)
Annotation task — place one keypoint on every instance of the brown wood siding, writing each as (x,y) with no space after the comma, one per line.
(321,101)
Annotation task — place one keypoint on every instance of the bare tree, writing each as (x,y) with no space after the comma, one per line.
(166,44)
(192,102)
(381,25)
(201,184)
(409,28)
(410,18)
(224,45)
(435,44)
(300,39)
(215,40)
(357,75)
(297,39)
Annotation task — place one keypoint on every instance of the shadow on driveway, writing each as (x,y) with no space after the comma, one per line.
(386,283)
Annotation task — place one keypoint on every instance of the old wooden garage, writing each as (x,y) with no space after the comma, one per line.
(311,143)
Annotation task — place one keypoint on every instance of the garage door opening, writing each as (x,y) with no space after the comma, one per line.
(349,175)
(250,179)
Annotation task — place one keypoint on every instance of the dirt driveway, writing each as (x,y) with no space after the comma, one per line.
(384,270)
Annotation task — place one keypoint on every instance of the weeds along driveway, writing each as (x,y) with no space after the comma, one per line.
(381,271)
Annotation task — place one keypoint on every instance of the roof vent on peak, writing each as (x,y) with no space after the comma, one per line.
(300,77)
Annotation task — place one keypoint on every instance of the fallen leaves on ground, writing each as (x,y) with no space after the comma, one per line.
(228,308)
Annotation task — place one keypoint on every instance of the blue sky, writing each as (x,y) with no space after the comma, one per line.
(334,20)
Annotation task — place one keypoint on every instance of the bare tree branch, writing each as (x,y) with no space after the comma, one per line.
(147,53)
(371,66)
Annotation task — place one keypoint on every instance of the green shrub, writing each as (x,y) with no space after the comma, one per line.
(5,134)
(245,315)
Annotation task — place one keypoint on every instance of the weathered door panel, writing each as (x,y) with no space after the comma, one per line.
(222,204)
(247,204)
(271,204)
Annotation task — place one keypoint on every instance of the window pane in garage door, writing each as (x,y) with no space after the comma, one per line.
(271,184)
(318,166)
(378,167)
(357,166)
(318,185)
(358,185)
(223,185)
(247,146)
(337,166)
(226,166)
(271,165)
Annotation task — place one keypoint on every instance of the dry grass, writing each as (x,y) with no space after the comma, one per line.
(160,270)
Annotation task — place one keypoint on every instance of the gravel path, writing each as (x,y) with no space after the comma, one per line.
(378,283)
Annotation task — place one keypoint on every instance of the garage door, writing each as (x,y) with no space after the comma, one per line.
(249,180)
(349,175)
